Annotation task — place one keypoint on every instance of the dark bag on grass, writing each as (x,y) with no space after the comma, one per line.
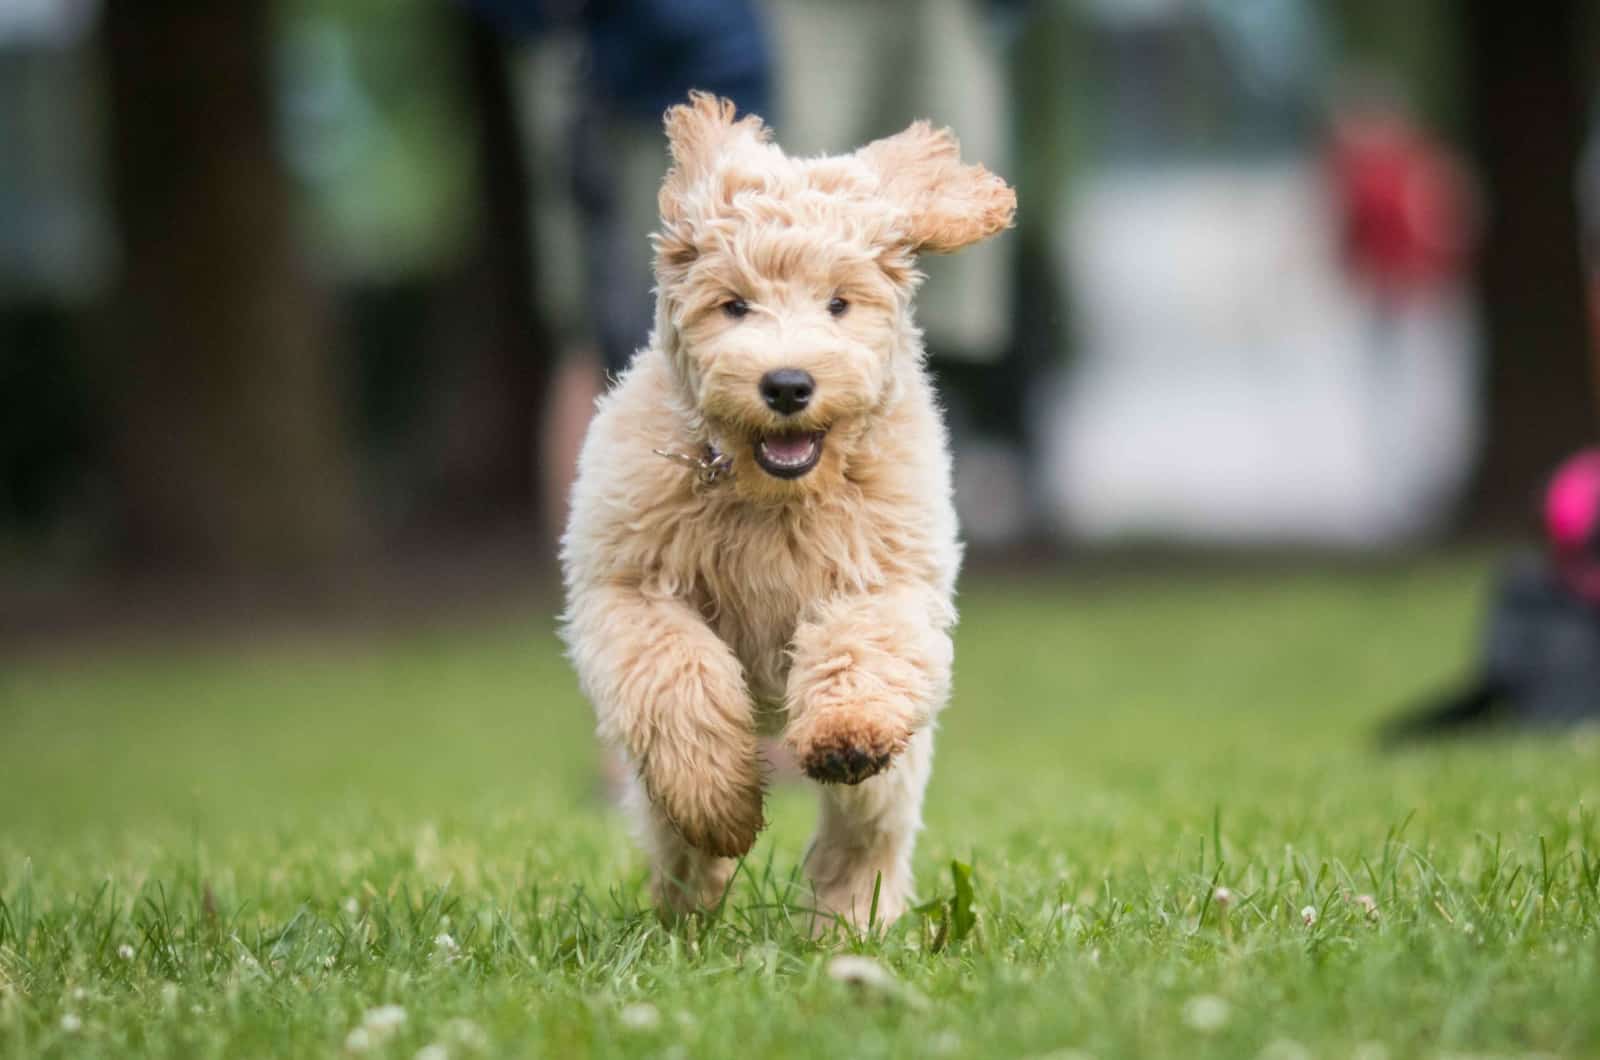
(1540,666)
(1541,652)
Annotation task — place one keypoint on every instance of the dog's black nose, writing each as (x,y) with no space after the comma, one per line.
(787,390)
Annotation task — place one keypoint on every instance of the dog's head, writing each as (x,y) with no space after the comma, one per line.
(784,285)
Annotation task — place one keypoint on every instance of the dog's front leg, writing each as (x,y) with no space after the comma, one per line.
(671,694)
(866,673)
(867,676)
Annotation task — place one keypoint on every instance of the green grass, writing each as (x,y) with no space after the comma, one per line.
(241,850)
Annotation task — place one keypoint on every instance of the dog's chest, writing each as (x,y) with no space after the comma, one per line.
(766,578)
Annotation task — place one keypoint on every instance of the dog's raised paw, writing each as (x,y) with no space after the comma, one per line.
(845,753)
(844,765)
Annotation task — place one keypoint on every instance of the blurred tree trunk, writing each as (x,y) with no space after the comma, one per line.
(495,345)
(1526,114)
(219,359)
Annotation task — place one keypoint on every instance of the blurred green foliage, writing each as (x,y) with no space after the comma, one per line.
(376,126)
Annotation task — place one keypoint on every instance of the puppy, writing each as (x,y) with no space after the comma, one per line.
(761,536)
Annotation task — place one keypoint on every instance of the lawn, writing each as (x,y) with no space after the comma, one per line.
(394,842)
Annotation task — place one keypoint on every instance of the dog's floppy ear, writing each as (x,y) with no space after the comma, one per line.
(700,130)
(699,133)
(949,205)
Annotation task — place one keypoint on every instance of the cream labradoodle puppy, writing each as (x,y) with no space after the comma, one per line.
(762,536)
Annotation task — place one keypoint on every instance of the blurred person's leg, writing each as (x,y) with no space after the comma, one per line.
(617,166)
(574,386)
(548,81)
(595,188)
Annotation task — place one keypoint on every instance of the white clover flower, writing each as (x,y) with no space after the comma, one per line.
(467,1034)
(125,951)
(71,1022)
(446,947)
(1222,896)
(377,1024)
(384,1020)
(1368,904)
(870,977)
(1284,1049)
(1206,1013)
(640,1016)
(862,972)
(1309,915)
(351,906)
(434,1051)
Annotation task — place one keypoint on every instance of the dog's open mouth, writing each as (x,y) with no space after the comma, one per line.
(790,454)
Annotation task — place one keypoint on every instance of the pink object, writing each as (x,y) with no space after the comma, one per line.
(1572,522)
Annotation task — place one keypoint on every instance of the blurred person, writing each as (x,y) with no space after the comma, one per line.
(1540,661)
(1403,199)
(1406,228)
(599,76)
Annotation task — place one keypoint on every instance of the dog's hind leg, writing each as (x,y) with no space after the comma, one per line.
(862,850)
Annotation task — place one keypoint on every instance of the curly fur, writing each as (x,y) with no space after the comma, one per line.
(699,614)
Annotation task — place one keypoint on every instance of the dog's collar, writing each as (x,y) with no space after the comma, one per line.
(710,466)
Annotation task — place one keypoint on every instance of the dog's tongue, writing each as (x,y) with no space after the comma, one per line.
(788,448)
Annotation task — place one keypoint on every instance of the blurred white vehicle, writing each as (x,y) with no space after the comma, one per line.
(1231,382)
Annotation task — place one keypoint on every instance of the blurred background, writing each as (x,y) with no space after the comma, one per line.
(304,304)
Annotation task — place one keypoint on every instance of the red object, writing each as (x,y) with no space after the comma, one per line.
(1572,523)
(1403,203)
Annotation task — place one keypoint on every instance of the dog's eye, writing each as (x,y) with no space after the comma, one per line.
(837,306)
(736,308)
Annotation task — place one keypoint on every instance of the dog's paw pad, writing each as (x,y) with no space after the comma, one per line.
(848,766)
(845,763)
